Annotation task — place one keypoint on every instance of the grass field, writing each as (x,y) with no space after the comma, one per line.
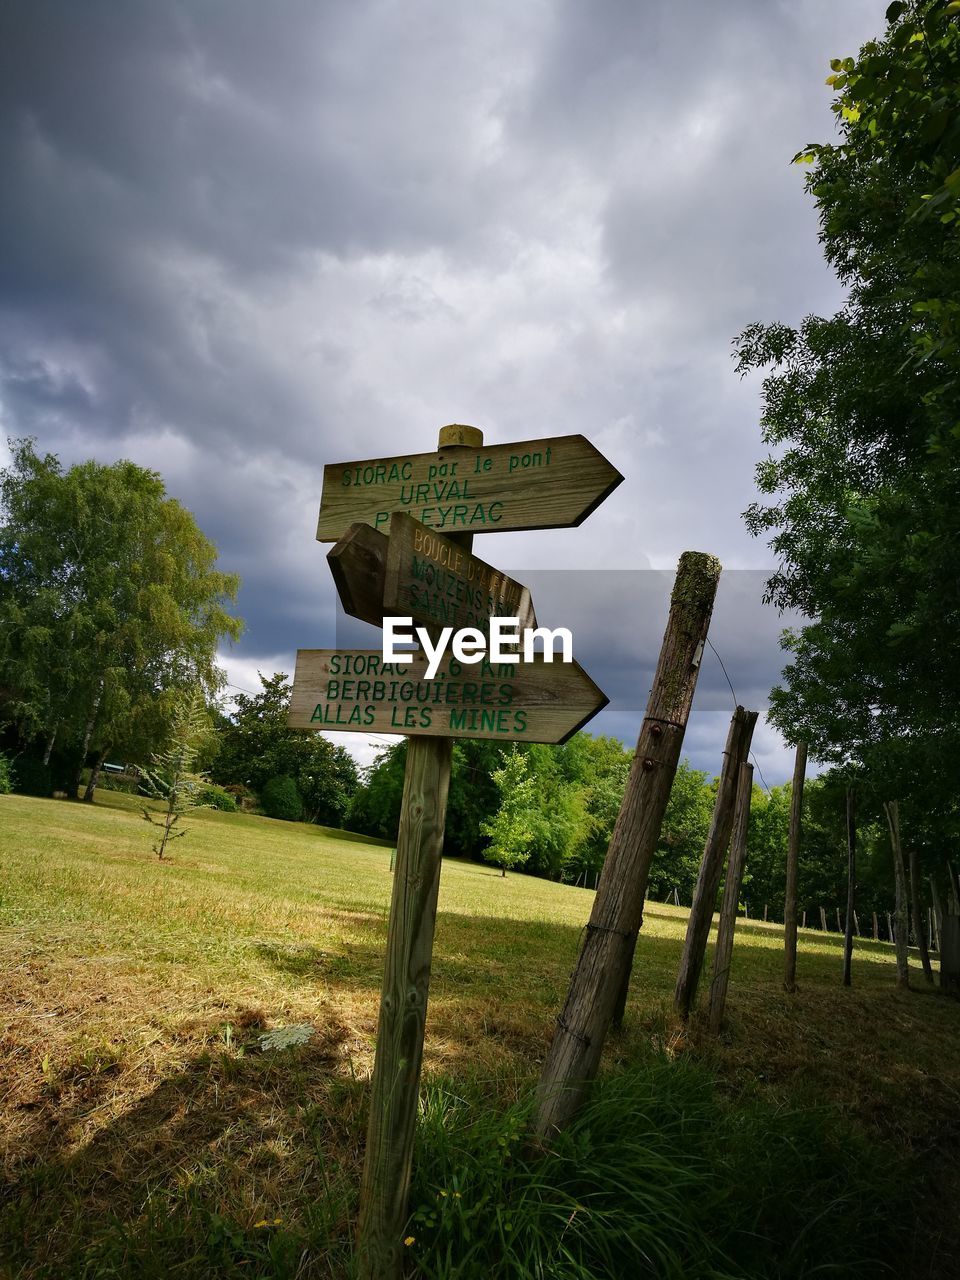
(134,1089)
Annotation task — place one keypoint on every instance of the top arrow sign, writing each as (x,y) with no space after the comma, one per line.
(536,484)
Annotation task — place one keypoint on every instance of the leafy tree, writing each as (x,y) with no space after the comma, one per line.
(281,799)
(512,830)
(173,778)
(255,745)
(110,603)
(861,410)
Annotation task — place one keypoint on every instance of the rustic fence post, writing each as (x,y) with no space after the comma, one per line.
(723,949)
(840,925)
(804,925)
(711,866)
(851,886)
(937,913)
(793,862)
(406,981)
(602,970)
(892,810)
(876,928)
(823,920)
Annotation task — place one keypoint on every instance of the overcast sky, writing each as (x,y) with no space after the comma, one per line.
(241,240)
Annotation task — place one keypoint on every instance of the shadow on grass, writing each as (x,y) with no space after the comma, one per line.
(233,1164)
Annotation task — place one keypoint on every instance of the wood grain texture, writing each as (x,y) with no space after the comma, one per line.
(358,562)
(793,862)
(403,1008)
(610,936)
(727,924)
(902,935)
(851,886)
(433,580)
(532,484)
(711,865)
(349,690)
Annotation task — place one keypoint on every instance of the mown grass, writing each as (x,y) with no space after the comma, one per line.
(143,1132)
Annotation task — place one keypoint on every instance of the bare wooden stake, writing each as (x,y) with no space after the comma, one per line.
(676,897)
(892,810)
(723,950)
(602,971)
(823,920)
(765,913)
(889,928)
(851,886)
(793,863)
(711,866)
(804,925)
(937,913)
(876,928)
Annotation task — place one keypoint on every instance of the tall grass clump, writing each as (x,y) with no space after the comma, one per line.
(658,1176)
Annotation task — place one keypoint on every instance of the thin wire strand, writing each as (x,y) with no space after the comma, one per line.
(736,703)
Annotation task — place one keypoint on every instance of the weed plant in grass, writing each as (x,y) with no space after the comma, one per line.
(657,1176)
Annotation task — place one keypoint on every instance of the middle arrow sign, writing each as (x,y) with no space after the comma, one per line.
(418,573)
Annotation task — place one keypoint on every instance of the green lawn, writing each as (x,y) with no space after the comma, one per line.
(134,992)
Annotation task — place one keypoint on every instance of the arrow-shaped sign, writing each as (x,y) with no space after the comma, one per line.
(354,690)
(535,484)
(418,573)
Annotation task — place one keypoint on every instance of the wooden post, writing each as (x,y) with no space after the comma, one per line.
(889,928)
(406,983)
(851,885)
(953,903)
(793,863)
(676,896)
(804,925)
(840,928)
(765,905)
(602,971)
(723,950)
(892,810)
(823,920)
(937,913)
(950,954)
(711,866)
(876,928)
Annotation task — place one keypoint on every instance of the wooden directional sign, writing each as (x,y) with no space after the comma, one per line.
(535,484)
(354,690)
(423,575)
(431,579)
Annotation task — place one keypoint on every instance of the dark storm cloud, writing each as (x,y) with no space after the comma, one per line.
(241,240)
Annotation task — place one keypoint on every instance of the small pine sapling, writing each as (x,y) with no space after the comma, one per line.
(172,779)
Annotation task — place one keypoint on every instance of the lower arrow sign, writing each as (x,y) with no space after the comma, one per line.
(354,690)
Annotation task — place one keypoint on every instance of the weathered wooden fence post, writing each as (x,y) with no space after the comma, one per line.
(892,810)
(711,866)
(876,928)
(851,886)
(606,953)
(937,914)
(823,920)
(406,984)
(723,950)
(793,862)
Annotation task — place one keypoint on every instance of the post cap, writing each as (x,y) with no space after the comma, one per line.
(460,433)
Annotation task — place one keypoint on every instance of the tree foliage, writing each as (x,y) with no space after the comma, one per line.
(111,605)
(862,411)
(256,746)
(173,778)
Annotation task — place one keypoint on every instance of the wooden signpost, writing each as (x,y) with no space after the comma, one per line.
(355,690)
(430,505)
(465,488)
(418,573)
